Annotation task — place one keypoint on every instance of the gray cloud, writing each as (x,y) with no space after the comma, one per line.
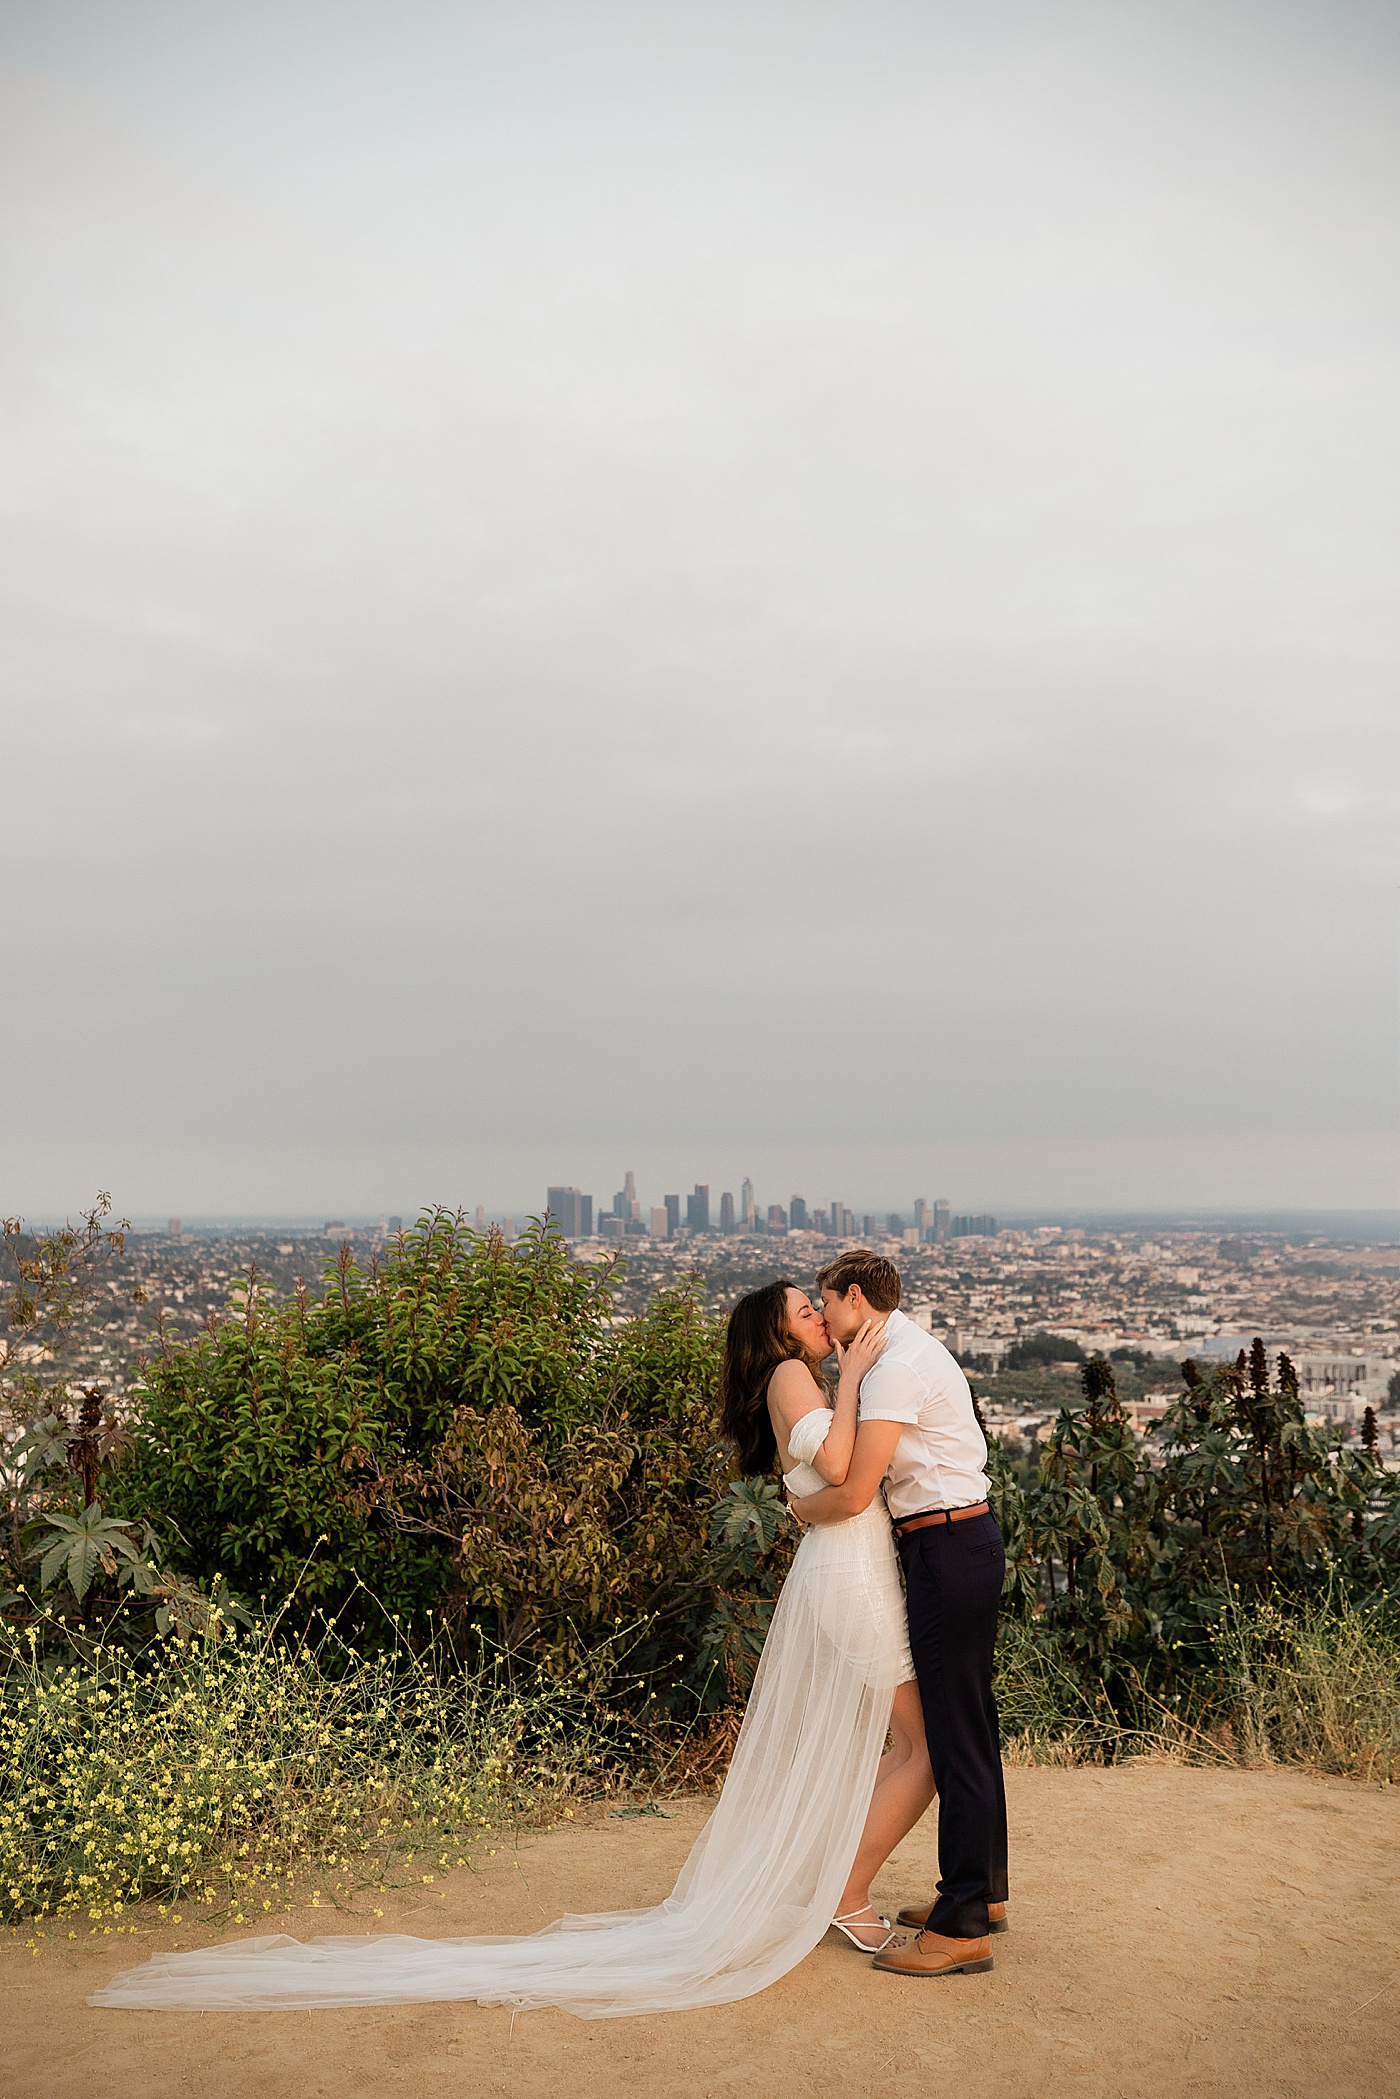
(799,586)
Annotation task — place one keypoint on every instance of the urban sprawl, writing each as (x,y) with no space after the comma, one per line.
(1020,1305)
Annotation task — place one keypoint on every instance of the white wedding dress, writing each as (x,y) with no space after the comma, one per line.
(764,1876)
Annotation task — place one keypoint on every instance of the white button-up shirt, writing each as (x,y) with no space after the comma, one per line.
(939,1460)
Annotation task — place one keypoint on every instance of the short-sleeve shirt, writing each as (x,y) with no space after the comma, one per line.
(940,1459)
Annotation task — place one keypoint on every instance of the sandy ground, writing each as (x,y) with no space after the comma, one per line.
(1173,1931)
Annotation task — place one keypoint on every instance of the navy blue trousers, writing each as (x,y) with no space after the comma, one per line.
(953,1575)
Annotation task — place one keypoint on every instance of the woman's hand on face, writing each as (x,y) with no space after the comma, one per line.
(864,1349)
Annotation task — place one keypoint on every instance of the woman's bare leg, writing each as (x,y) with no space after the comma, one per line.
(903,1790)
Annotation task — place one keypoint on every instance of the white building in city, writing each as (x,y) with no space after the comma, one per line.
(1340,1388)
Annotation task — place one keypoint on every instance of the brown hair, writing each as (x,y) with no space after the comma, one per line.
(756,1341)
(877,1277)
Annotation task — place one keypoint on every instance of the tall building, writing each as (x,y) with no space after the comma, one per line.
(660,1222)
(942,1221)
(797,1211)
(777,1218)
(395,1226)
(982,1227)
(726,1212)
(175,1228)
(920,1216)
(625,1203)
(572,1211)
(481,1217)
(836,1214)
(747,1204)
(697,1208)
(673,1215)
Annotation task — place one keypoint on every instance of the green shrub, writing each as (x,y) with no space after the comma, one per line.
(464,1433)
(466,1449)
(1231,1588)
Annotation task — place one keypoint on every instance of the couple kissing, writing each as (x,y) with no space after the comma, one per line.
(887,1472)
(894,1464)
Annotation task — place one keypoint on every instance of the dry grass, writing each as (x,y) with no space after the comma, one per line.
(1317,1687)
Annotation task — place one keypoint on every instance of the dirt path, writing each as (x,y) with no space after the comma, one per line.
(1173,1931)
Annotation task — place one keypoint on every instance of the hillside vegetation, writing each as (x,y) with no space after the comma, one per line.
(487,1533)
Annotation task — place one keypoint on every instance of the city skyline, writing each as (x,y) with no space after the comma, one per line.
(921,1223)
(60,1175)
(1371,1225)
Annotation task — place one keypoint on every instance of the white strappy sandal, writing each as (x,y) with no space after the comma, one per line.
(856,1917)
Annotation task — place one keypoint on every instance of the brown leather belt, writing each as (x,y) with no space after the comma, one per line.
(905,1524)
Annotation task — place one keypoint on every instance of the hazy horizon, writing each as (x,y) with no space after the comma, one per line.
(800,590)
(1362,1226)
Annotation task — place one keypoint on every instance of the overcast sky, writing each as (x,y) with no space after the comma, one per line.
(795,589)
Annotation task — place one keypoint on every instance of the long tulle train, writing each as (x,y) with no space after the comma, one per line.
(755,1895)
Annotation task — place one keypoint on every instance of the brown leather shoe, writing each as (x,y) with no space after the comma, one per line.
(931,1954)
(915,1919)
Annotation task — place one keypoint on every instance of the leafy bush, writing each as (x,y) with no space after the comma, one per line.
(750,1551)
(467,1435)
(579,1530)
(1130,1564)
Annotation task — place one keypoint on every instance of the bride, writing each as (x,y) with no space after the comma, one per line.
(812,1806)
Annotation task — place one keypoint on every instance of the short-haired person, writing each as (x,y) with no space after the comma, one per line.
(918,1434)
